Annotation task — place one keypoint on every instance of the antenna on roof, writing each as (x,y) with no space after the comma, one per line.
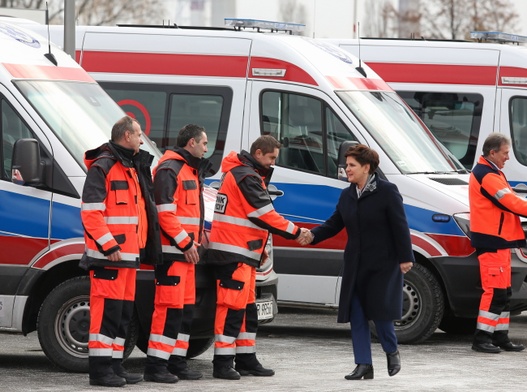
(49,55)
(359,68)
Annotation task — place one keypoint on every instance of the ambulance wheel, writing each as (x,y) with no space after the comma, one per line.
(423,306)
(63,325)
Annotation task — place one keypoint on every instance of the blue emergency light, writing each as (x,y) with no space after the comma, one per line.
(498,36)
(258,24)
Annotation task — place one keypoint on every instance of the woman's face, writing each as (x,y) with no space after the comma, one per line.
(357,173)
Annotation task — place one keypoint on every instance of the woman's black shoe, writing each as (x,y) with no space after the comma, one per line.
(361,372)
(394,363)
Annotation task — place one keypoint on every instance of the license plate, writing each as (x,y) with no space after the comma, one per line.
(265,310)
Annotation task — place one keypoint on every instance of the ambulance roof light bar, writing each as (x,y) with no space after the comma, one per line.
(258,24)
(498,36)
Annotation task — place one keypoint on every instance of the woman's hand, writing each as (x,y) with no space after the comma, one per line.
(406,267)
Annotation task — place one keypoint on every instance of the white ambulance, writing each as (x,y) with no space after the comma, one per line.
(461,90)
(51,112)
(312,96)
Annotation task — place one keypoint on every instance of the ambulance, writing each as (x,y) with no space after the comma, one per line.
(253,78)
(51,112)
(461,90)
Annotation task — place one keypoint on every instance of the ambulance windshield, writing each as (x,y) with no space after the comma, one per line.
(80,114)
(409,144)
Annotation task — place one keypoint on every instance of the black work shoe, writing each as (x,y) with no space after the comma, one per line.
(258,371)
(108,380)
(509,346)
(187,374)
(162,376)
(394,363)
(485,348)
(361,372)
(226,373)
(130,378)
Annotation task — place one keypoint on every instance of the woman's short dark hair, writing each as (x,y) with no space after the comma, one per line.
(364,155)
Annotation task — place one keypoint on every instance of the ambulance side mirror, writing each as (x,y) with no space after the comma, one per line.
(26,167)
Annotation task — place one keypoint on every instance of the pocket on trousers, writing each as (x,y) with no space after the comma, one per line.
(231,294)
(101,282)
(496,278)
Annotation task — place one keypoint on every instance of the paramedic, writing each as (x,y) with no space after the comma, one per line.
(495,228)
(377,254)
(120,229)
(178,185)
(243,217)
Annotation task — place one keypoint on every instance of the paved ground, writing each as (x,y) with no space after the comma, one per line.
(309,352)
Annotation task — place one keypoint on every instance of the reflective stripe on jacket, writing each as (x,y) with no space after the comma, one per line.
(179,202)
(494,206)
(244,214)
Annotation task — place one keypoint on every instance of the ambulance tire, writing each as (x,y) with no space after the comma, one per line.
(63,325)
(423,306)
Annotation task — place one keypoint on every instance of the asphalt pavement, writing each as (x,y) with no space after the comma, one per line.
(309,352)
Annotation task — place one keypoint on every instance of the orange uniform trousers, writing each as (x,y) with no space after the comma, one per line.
(493,316)
(112,294)
(175,296)
(236,320)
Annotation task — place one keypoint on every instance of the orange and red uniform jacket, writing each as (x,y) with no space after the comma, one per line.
(114,212)
(179,202)
(244,213)
(491,227)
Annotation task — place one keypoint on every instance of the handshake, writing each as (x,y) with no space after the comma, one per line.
(305,237)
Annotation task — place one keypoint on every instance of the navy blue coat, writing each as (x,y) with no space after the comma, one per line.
(378,241)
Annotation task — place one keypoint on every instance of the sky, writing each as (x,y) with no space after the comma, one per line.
(328,18)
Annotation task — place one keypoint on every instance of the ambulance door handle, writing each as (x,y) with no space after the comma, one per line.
(274,192)
(521,189)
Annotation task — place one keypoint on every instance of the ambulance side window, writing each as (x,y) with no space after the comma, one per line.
(12,128)
(518,118)
(453,118)
(309,131)
(163,110)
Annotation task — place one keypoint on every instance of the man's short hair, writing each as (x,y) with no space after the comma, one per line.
(493,142)
(122,125)
(189,131)
(266,144)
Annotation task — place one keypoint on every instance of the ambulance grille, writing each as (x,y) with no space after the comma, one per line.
(450,181)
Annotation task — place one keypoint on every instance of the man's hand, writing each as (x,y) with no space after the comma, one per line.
(305,237)
(192,255)
(406,267)
(115,256)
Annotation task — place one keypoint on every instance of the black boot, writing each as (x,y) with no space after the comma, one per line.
(482,342)
(156,371)
(361,372)
(223,368)
(394,363)
(119,370)
(248,364)
(101,373)
(178,365)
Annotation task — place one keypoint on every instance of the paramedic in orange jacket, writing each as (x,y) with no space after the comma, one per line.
(178,184)
(120,228)
(243,217)
(495,229)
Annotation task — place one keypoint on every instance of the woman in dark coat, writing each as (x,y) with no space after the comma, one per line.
(377,254)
